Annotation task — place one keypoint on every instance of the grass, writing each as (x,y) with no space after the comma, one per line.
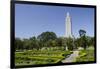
(33,57)
(38,57)
(86,55)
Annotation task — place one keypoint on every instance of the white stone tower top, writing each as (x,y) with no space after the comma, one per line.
(68,14)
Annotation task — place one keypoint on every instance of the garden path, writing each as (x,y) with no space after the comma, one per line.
(71,58)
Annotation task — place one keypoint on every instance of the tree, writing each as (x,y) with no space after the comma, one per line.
(18,44)
(34,42)
(52,43)
(77,42)
(82,32)
(59,41)
(70,43)
(83,38)
(46,38)
(90,41)
(26,44)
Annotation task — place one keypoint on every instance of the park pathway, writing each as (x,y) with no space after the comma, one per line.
(71,58)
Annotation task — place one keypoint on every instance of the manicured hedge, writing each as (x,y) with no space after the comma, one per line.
(39,57)
(85,55)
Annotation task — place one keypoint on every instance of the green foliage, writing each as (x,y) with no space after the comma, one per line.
(85,55)
(18,44)
(83,41)
(39,57)
(47,48)
(46,36)
(70,43)
(49,39)
(82,32)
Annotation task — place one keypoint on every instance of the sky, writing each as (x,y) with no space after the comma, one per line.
(32,20)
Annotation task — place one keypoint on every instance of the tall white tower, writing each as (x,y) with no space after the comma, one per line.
(68,26)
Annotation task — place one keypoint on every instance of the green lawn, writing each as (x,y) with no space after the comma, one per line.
(39,57)
(86,55)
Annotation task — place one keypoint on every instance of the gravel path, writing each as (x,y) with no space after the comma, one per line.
(71,57)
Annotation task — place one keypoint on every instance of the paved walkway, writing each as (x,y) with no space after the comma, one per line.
(71,57)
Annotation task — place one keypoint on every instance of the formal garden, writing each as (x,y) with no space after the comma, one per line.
(47,48)
(86,55)
(40,57)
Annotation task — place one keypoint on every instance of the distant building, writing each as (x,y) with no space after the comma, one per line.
(68,26)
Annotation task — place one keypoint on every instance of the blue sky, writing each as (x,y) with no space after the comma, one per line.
(32,20)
